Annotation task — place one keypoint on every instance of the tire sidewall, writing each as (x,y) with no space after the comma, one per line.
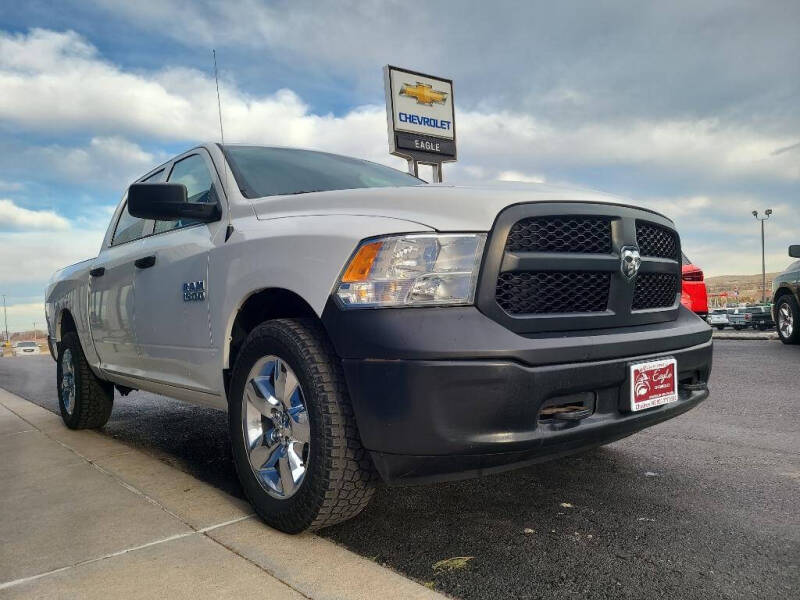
(310,495)
(790,302)
(70,342)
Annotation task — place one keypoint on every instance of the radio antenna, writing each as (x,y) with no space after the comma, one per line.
(229,229)
(219,103)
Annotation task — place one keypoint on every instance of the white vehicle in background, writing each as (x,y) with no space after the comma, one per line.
(718,318)
(25,349)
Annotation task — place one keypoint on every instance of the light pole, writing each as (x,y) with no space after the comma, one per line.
(766,216)
(5,316)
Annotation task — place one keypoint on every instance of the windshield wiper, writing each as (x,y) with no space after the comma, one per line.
(304,192)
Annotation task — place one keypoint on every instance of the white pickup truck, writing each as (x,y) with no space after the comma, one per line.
(358,324)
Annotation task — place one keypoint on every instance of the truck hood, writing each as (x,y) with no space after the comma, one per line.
(441,207)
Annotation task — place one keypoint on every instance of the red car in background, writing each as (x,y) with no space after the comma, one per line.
(694,295)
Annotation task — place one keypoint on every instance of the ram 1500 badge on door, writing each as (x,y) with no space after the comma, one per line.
(358,324)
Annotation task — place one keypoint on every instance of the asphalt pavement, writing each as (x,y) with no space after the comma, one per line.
(703,506)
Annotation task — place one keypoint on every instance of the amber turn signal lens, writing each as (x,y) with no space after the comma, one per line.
(360,265)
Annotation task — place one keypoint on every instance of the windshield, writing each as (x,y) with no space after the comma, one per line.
(26,345)
(261,171)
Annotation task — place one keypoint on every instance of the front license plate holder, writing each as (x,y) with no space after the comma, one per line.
(653,383)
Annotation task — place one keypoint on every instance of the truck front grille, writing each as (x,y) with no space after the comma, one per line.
(657,241)
(589,234)
(556,266)
(654,290)
(552,292)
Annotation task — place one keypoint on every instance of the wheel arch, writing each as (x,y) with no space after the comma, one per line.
(65,323)
(781,291)
(257,307)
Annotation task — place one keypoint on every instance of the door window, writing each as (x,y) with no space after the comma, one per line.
(131,228)
(193,173)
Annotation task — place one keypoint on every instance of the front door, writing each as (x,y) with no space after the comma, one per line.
(111,296)
(172,315)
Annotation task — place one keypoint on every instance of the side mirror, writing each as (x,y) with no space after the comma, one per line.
(168,202)
(794,251)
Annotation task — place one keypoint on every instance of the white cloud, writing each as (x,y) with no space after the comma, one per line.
(21,317)
(32,257)
(57,81)
(680,206)
(16,217)
(517,176)
(679,57)
(104,160)
(704,147)
(719,233)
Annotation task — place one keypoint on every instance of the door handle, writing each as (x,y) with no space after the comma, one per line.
(145,262)
(97,272)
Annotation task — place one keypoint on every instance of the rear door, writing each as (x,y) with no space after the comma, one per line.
(172,314)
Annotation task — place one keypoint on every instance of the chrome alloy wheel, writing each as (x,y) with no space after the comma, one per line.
(785,320)
(276,427)
(67,381)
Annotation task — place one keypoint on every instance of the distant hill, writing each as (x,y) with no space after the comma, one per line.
(749,286)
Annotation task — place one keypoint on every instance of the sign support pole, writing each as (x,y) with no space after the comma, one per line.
(437,172)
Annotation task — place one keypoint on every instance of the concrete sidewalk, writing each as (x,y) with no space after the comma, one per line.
(85,516)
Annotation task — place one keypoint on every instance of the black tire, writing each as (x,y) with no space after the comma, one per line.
(790,303)
(93,398)
(720,327)
(340,478)
(737,327)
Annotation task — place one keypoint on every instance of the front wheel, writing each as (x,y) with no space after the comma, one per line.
(85,400)
(788,320)
(295,442)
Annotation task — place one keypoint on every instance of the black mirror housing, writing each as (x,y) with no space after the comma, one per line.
(794,251)
(168,202)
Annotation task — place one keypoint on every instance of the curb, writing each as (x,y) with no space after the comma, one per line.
(745,336)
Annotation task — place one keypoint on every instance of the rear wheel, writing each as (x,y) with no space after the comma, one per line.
(85,400)
(788,319)
(295,442)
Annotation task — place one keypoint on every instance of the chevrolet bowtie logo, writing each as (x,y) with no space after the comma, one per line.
(424,93)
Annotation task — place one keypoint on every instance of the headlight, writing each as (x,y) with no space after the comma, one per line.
(412,270)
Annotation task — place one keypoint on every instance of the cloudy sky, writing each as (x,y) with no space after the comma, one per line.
(688,107)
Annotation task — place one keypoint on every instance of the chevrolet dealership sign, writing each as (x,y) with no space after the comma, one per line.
(419,110)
